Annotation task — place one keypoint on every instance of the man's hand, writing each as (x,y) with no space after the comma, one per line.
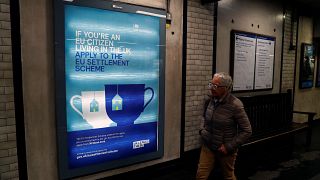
(223,149)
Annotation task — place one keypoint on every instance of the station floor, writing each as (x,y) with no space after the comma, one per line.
(302,164)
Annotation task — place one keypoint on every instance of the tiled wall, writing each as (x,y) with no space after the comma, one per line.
(199,64)
(8,150)
(198,67)
(290,33)
(199,60)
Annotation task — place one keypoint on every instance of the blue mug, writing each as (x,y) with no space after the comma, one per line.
(125,102)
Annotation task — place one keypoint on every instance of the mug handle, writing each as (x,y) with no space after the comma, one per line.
(72,105)
(150,98)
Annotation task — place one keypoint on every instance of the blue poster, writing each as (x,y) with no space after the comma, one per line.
(112,84)
(307,66)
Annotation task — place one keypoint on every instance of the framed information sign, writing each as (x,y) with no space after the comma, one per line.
(318,74)
(252,61)
(109,65)
(307,65)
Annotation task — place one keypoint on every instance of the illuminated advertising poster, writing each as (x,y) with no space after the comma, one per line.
(113,84)
(112,73)
(307,66)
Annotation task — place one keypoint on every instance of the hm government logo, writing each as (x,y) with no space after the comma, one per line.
(140,144)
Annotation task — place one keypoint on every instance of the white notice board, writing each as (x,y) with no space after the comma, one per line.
(264,63)
(252,61)
(244,58)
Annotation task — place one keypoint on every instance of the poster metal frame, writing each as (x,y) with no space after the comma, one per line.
(232,61)
(60,87)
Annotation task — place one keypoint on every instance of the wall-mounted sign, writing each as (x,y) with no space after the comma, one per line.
(252,61)
(244,60)
(318,74)
(109,78)
(307,65)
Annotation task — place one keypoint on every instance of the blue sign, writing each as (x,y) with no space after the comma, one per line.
(112,65)
(307,66)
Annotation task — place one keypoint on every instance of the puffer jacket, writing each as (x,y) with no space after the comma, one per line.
(225,123)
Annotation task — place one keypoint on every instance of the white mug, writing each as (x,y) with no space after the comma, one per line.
(98,118)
